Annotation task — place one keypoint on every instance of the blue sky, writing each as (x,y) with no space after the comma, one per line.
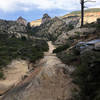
(34,9)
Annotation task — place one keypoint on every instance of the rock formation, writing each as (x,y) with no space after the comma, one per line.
(73,20)
(52,28)
(45,18)
(11,26)
(22,21)
(90,16)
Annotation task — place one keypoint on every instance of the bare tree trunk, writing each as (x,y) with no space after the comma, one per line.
(82,13)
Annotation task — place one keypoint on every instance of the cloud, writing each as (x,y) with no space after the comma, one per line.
(26,5)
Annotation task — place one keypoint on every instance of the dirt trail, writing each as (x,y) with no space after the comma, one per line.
(50,81)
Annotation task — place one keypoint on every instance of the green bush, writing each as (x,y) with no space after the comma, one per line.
(86,76)
(61,48)
(15,48)
(23,38)
(1,75)
(70,27)
(67,58)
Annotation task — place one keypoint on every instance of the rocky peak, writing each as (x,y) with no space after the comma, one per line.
(21,20)
(45,18)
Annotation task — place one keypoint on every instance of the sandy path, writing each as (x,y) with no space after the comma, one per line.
(50,81)
(13,73)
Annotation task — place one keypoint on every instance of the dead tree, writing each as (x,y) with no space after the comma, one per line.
(82,10)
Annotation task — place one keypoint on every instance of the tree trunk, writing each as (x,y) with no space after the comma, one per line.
(82,13)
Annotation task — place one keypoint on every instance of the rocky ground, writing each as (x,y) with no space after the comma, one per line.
(49,81)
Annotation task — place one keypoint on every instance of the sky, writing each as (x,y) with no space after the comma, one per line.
(34,9)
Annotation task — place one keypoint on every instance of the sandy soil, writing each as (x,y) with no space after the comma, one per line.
(49,81)
(13,74)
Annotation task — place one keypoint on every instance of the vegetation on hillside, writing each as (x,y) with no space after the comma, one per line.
(15,48)
(87,65)
(62,48)
(86,74)
(87,11)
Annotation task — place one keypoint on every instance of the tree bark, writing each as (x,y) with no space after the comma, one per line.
(82,13)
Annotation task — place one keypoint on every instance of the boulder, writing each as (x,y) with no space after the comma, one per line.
(86,46)
(97,46)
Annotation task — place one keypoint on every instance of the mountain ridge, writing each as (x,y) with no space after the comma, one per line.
(91,15)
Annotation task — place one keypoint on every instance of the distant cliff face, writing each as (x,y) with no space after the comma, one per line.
(22,21)
(88,18)
(36,22)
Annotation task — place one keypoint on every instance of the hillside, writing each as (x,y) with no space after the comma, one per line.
(15,56)
(92,10)
(82,50)
(91,15)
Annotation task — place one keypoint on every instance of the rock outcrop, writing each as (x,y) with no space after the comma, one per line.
(52,28)
(75,32)
(72,20)
(45,18)
(12,26)
(22,21)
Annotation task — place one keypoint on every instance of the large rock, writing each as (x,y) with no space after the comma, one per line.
(97,46)
(72,33)
(12,26)
(90,45)
(72,20)
(51,29)
(45,18)
(22,21)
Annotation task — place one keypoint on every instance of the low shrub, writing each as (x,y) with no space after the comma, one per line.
(61,48)
(86,76)
(15,48)
(70,27)
(1,75)
(67,58)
